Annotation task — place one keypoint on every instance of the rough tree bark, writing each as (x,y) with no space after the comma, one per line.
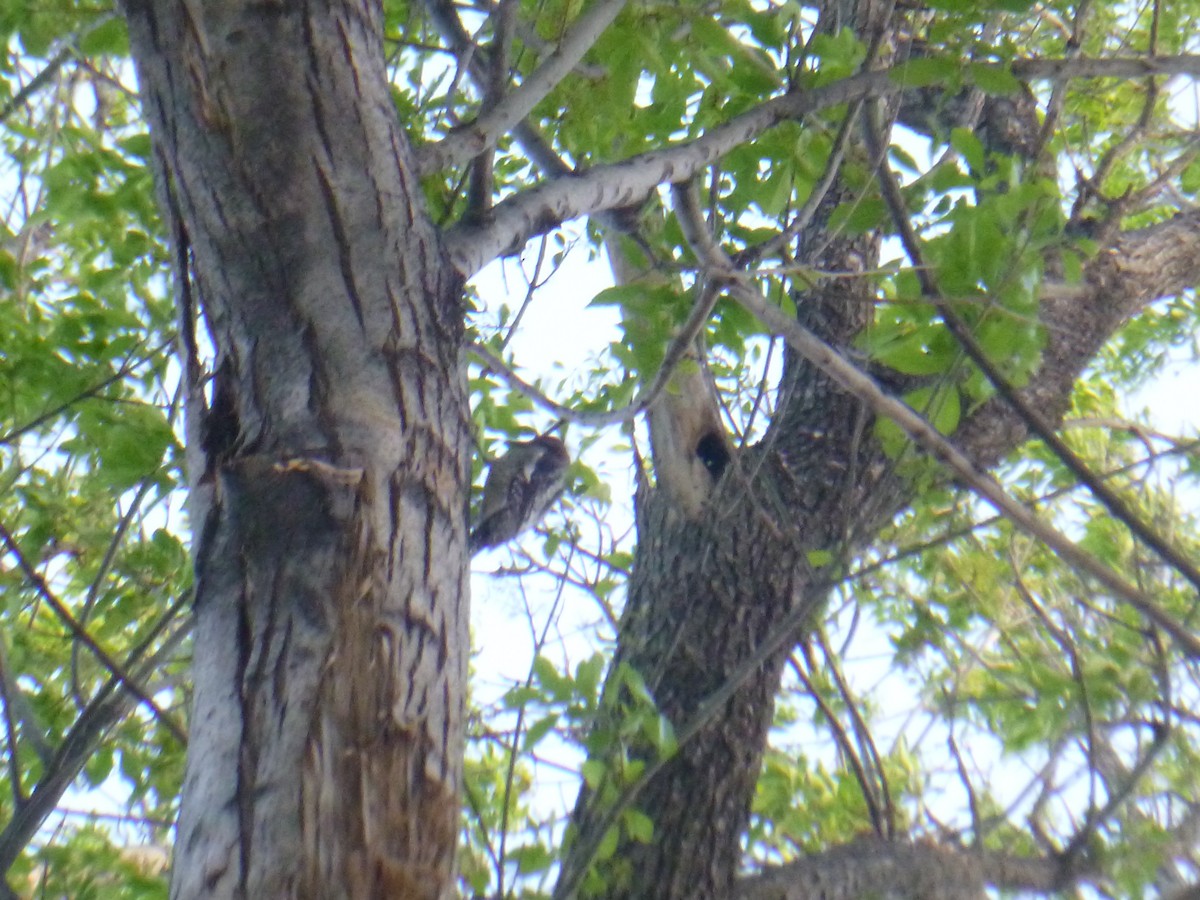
(328,463)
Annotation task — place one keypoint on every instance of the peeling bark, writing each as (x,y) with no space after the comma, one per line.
(331,599)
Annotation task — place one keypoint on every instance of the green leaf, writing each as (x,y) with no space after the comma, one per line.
(587,675)
(558,685)
(99,766)
(532,858)
(130,440)
(608,844)
(515,698)
(661,736)
(840,54)
(593,772)
(968,144)
(993,79)
(819,558)
(109,38)
(941,406)
(538,730)
(927,70)
(635,684)
(630,296)
(1189,179)
(862,215)
(638,825)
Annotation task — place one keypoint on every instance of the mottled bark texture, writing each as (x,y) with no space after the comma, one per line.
(871,867)
(328,454)
(709,591)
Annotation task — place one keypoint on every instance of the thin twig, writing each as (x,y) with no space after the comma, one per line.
(126,368)
(516,104)
(81,634)
(539,643)
(842,739)
(109,705)
(1032,419)
(862,386)
(675,353)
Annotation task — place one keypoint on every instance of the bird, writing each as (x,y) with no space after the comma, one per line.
(520,487)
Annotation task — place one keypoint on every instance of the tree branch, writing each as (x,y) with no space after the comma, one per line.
(130,365)
(536,147)
(108,705)
(1140,267)
(1029,415)
(121,673)
(675,352)
(52,68)
(485,132)
(864,388)
(923,870)
(630,182)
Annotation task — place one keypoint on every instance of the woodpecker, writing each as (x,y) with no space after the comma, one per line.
(521,486)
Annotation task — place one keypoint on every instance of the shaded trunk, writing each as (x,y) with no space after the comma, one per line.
(328,455)
(708,595)
(715,603)
(720,600)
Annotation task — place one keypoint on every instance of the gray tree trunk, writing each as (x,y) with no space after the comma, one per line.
(329,457)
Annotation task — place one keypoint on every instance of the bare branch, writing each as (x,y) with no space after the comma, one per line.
(497,366)
(674,355)
(841,738)
(536,147)
(482,182)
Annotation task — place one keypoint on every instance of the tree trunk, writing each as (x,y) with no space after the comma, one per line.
(705,598)
(329,457)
